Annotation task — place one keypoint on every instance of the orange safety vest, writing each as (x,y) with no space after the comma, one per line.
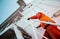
(42,17)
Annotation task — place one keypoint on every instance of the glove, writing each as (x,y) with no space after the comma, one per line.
(38,26)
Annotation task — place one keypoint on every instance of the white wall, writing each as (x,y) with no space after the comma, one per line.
(48,7)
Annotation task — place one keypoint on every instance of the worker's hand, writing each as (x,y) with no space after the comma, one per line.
(28,19)
(38,26)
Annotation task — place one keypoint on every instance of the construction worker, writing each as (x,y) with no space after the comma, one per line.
(42,17)
(52,32)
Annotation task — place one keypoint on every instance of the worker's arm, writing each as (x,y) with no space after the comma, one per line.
(33,17)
